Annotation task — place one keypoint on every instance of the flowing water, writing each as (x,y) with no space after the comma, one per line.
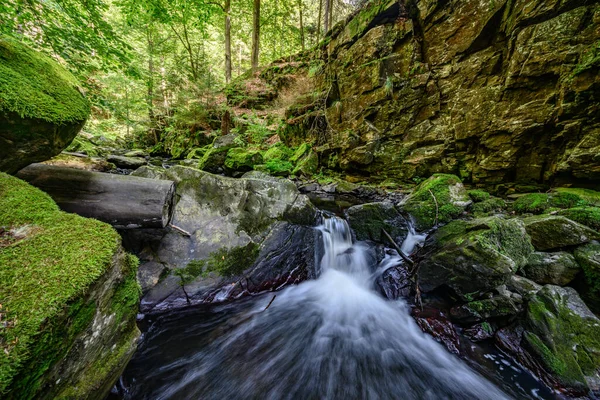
(330,338)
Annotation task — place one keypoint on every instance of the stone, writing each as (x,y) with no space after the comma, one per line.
(368,220)
(564,335)
(474,257)
(438,199)
(85,163)
(136,153)
(220,215)
(127,162)
(550,232)
(551,268)
(78,343)
(484,309)
(41,106)
(214,157)
(241,159)
(588,216)
(523,286)
(588,256)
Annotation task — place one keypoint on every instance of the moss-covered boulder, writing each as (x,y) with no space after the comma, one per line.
(438,199)
(538,203)
(481,310)
(490,206)
(564,336)
(217,216)
(473,257)
(588,256)
(69,300)
(368,221)
(242,159)
(551,268)
(550,232)
(214,157)
(41,106)
(588,216)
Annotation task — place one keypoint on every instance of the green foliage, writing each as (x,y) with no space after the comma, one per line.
(257,133)
(42,276)
(34,86)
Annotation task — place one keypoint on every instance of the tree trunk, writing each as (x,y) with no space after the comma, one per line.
(226,123)
(227,41)
(150,87)
(319,21)
(331,4)
(121,200)
(301,25)
(255,34)
(326,16)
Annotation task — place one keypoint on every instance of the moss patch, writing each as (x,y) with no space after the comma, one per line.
(478,195)
(226,262)
(589,216)
(35,86)
(41,278)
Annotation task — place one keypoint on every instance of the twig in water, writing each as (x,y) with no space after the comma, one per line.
(269,305)
(398,249)
(178,229)
(436,207)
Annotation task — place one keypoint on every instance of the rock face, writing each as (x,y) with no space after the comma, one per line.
(41,107)
(493,91)
(588,257)
(69,299)
(219,222)
(474,257)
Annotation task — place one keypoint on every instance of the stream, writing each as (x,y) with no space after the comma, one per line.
(330,338)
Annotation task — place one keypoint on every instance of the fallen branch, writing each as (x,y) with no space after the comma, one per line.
(269,305)
(436,207)
(404,256)
(178,229)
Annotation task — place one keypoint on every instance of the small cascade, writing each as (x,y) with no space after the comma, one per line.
(413,239)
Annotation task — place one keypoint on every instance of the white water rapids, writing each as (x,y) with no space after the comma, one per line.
(330,338)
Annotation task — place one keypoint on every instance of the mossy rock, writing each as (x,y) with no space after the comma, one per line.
(278,152)
(64,282)
(591,197)
(473,257)
(368,221)
(438,199)
(41,107)
(558,268)
(588,256)
(197,153)
(481,310)
(307,165)
(550,232)
(588,216)
(242,159)
(538,203)
(490,206)
(478,195)
(564,336)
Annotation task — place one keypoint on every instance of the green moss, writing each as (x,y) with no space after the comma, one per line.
(35,86)
(278,151)
(589,196)
(588,256)
(41,278)
(440,197)
(589,216)
(488,206)
(538,203)
(226,262)
(127,293)
(279,167)
(82,145)
(533,203)
(241,159)
(478,195)
(198,152)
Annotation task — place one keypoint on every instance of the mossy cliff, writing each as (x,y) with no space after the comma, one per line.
(41,106)
(68,299)
(493,91)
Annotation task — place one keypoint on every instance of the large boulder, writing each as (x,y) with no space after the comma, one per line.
(218,220)
(558,268)
(550,232)
(564,336)
(368,220)
(474,257)
(41,106)
(69,300)
(439,199)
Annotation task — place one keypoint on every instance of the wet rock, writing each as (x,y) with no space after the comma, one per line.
(474,257)
(481,310)
(522,286)
(550,232)
(127,162)
(41,106)
(439,199)
(394,283)
(433,322)
(479,332)
(368,220)
(309,187)
(551,268)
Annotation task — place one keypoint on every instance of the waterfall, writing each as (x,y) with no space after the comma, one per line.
(330,338)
